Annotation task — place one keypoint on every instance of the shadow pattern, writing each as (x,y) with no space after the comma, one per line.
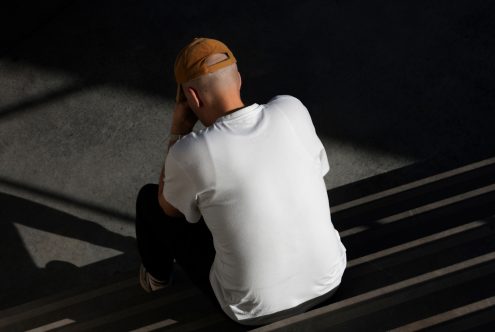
(21,280)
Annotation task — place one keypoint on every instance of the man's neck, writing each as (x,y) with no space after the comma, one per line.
(234,110)
(225,107)
(229,107)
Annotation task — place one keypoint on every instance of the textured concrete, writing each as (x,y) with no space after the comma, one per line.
(425,264)
(86,93)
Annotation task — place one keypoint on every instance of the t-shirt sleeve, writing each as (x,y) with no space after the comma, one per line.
(302,123)
(325,167)
(179,190)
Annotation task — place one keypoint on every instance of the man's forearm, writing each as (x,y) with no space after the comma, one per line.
(183,121)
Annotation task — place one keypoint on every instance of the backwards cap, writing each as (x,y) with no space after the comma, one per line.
(191,61)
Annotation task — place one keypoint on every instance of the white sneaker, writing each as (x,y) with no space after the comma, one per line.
(150,283)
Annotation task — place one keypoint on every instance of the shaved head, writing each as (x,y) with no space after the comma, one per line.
(219,82)
(214,93)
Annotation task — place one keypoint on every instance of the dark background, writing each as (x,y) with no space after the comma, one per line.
(414,78)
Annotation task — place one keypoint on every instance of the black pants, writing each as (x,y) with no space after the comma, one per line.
(161,239)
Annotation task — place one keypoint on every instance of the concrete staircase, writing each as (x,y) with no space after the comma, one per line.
(421,254)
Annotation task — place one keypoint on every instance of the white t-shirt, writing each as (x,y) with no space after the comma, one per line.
(256,177)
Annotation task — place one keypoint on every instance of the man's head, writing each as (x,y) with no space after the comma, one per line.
(208,79)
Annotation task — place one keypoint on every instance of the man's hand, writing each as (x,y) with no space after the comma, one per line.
(183,119)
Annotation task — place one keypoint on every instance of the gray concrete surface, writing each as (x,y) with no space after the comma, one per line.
(86,91)
(417,253)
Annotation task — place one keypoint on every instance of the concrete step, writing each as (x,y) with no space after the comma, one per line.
(429,268)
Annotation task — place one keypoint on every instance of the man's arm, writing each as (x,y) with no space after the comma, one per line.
(168,208)
(183,121)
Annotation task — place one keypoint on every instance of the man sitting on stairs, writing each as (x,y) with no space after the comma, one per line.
(241,205)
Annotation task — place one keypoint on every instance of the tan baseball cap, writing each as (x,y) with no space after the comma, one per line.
(191,61)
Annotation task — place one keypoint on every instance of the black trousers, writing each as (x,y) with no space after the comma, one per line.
(161,239)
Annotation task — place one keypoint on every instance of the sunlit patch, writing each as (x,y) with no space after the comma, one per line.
(350,162)
(45,247)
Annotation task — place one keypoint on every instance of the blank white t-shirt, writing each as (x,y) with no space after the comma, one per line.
(256,177)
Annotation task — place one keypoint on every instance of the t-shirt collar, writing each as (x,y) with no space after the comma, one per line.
(238,113)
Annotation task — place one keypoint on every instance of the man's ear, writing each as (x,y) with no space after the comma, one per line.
(240,80)
(194,97)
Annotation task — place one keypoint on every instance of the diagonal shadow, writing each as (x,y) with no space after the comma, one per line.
(406,78)
(21,280)
(66,200)
(420,265)
(28,103)
(366,277)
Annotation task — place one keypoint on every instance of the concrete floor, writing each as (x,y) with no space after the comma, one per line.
(86,92)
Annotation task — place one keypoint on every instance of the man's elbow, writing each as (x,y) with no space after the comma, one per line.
(168,208)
